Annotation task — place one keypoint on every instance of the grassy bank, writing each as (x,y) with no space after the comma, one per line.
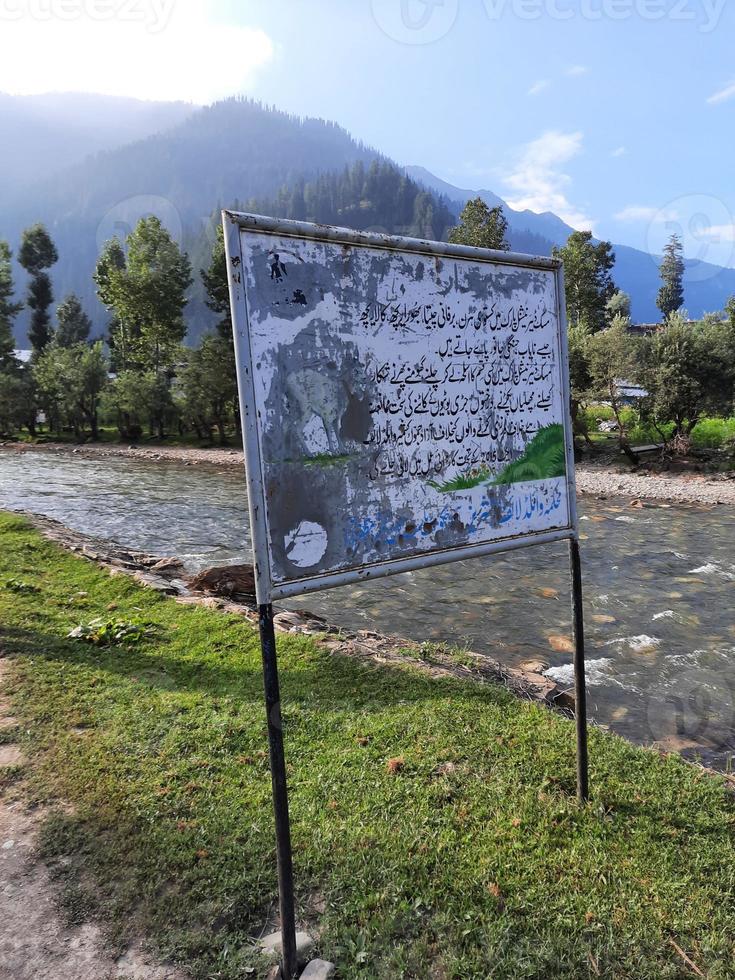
(435,828)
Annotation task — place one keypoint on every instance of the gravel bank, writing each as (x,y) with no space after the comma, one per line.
(595,480)
(682,488)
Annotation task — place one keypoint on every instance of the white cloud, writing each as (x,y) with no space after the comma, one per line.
(158,49)
(538,183)
(724,95)
(540,86)
(642,212)
(576,70)
(620,151)
(717,234)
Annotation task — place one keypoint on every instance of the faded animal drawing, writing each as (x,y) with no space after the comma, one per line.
(312,393)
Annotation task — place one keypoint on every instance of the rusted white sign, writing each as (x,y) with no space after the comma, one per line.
(404,402)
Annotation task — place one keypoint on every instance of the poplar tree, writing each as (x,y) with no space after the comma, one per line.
(671,294)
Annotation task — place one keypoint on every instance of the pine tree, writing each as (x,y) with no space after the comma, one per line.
(671,294)
(215,283)
(8,309)
(481,226)
(36,254)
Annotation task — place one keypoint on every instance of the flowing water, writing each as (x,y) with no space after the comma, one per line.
(659,588)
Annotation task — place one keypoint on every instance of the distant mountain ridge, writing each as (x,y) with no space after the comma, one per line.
(184,163)
(707,287)
(44,134)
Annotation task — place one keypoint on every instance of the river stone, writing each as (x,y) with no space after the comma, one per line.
(155,582)
(299,619)
(228,580)
(318,970)
(561,644)
(534,666)
(270,946)
(11,755)
(168,565)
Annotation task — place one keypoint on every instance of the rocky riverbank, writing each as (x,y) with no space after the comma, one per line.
(217,589)
(592,479)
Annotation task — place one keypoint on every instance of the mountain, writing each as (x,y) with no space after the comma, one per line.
(230,152)
(546,225)
(89,167)
(707,287)
(44,134)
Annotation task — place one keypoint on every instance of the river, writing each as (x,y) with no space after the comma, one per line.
(659,588)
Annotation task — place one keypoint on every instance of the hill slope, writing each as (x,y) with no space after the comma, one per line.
(232,151)
(44,134)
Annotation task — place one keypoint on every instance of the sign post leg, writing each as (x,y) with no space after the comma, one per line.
(580,690)
(280,792)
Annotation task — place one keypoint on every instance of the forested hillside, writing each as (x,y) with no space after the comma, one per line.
(228,152)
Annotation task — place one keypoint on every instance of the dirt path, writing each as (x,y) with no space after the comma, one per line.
(35,943)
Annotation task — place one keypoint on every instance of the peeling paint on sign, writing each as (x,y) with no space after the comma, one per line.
(403,403)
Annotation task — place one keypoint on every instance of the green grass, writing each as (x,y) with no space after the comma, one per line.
(109,434)
(710,433)
(467,858)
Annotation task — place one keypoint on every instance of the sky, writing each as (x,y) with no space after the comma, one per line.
(618,115)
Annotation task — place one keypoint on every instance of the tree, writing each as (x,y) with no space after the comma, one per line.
(589,285)
(136,397)
(215,284)
(209,387)
(580,379)
(612,359)
(146,292)
(671,294)
(36,254)
(618,305)
(688,371)
(70,381)
(73,324)
(17,401)
(8,310)
(481,226)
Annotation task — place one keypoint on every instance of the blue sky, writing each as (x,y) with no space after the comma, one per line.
(616,114)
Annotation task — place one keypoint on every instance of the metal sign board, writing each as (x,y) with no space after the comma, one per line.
(404,403)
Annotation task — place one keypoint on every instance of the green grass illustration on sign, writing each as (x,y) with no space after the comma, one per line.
(543,459)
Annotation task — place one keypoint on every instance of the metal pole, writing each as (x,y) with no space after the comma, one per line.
(580,690)
(280,791)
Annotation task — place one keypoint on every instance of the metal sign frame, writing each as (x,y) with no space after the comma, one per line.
(267,589)
(234,223)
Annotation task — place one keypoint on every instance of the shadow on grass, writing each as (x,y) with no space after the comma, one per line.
(308,673)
